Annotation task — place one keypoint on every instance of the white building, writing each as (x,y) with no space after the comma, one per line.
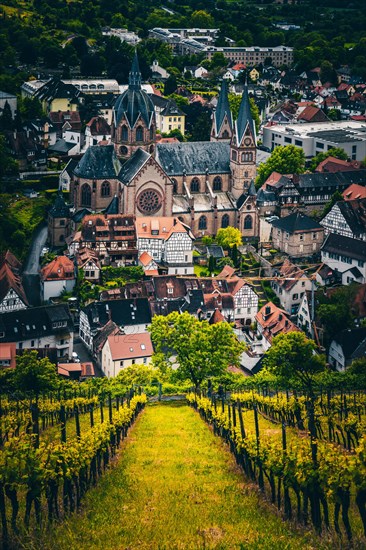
(168,241)
(346,346)
(123,350)
(56,277)
(39,328)
(346,256)
(320,137)
(290,287)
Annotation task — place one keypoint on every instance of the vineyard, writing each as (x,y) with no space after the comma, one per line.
(319,479)
(53,449)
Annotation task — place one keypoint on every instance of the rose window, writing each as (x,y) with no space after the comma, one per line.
(149,201)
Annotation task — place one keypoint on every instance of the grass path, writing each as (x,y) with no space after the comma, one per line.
(176,486)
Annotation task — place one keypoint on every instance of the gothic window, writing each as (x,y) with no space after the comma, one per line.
(234,155)
(139,134)
(123,150)
(248,222)
(149,201)
(247,157)
(246,174)
(152,132)
(85,195)
(195,185)
(202,222)
(124,133)
(105,190)
(225,134)
(225,221)
(217,183)
(151,149)
(175,186)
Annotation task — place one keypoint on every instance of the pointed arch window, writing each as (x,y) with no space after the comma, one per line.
(217,183)
(248,222)
(225,134)
(195,185)
(175,186)
(247,157)
(85,195)
(234,156)
(152,132)
(124,133)
(225,221)
(202,222)
(139,133)
(105,190)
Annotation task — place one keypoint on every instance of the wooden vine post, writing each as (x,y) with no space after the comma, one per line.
(63,423)
(260,476)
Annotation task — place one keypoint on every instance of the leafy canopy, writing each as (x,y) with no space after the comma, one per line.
(336,152)
(35,376)
(292,356)
(229,236)
(285,159)
(200,349)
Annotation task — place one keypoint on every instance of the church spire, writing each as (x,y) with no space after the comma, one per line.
(134,78)
(222,111)
(245,118)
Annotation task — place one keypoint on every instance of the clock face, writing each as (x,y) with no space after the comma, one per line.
(149,201)
(247,141)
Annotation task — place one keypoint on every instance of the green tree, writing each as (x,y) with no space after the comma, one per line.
(202,19)
(201,350)
(6,118)
(211,264)
(286,159)
(170,85)
(229,236)
(8,166)
(34,376)
(336,152)
(292,356)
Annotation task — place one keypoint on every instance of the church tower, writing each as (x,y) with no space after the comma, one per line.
(133,121)
(222,122)
(243,149)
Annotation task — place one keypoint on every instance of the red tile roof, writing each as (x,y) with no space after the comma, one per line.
(274,321)
(312,114)
(130,346)
(354,191)
(10,277)
(333,164)
(8,353)
(60,268)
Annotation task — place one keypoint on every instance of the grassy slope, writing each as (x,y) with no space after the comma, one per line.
(176,486)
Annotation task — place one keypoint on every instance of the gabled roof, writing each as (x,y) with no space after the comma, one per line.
(354,191)
(98,126)
(10,277)
(222,109)
(345,246)
(55,88)
(297,222)
(98,162)
(312,114)
(160,227)
(216,317)
(59,208)
(350,340)
(60,268)
(289,275)
(26,324)
(354,212)
(274,321)
(113,206)
(333,164)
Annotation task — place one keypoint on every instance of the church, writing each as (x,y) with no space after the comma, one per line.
(207,185)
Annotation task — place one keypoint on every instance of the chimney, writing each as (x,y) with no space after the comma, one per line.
(267,311)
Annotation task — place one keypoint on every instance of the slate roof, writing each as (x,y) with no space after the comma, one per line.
(172,109)
(215,250)
(129,312)
(338,244)
(350,340)
(244,117)
(97,315)
(70,167)
(59,208)
(26,324)
(98,162)
(133,165)
(61,146)
(297,222)
(265,196)
(134,102)
(55,88)
(113,206)
(339,179)
(354,212)
(194,157)
(222,108)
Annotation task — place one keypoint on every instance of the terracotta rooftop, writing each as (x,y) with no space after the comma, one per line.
(274,321)
(8,354)
(354,191)
(160,227)
(130,346)
(60,268)
(10,277)
(333,164)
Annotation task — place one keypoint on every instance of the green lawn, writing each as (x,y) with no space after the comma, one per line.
(175,486)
